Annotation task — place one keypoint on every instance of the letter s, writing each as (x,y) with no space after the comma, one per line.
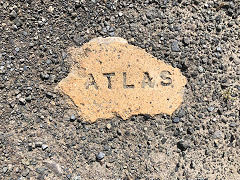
(165,76)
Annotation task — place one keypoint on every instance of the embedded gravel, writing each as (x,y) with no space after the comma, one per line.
(42,137)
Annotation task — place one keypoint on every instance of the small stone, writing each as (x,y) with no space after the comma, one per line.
(112,34)
(78,39)
(100,156)
(181,113)
(214,119)
(2,71)
(14,27)
(108,126)
(40,170)
(182,145)
(231,23)
(200,69)
(217,135)
(10,167)
(175,46)
(17,49)
(17,170)
(163,140)
(5,169)
(210,109)
(49,61)
(13,14)
(49,95)
(73,117)
(44,147)
(237,87)
(120,14)
(109,165)
(22,101)
(233,124)
(38,144)
(176,120)
(50,9)
(44,76)
(119,132)
(186,41)
(64,55)
(53,166)
(77,178)
(219,28)
(192,165)
(25,33)
(190,131)
(219,49)
(30,147)
(25,173)
(235,59)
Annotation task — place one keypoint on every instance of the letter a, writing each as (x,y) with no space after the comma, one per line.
(91,82)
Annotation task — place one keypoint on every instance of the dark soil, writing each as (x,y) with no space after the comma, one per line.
(41,137)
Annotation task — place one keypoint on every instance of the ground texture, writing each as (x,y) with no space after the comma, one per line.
(42,137)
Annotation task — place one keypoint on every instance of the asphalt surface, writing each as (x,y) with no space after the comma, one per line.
(42,137)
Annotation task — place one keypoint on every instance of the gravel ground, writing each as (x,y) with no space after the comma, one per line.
(41,137)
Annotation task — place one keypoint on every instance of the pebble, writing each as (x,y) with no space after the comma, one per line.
(237,87)
(5,169)
(200,69)
(25,173)
(77,178)
(175,46)
(182,145)
(108,126)
(64,55)
(163,140)
(181,113)
(218,28)
(231,23)
(13,14)
(219,49)
(17,49)
(38,144)
(192,165)
(44,147)
(15,28)
(40,170)
(214,119)
(112,34)
(50,9)
(25,33)
(73,117)
(210,109)
(186,41)
(233,124)
(100,156)
(119,132)
(30,147)
(190,131)
(217,134)
(176,120)
(45,76)
(48,61)
(68,176)
(55,167)
(120,14)
(22,101)
(2,71)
